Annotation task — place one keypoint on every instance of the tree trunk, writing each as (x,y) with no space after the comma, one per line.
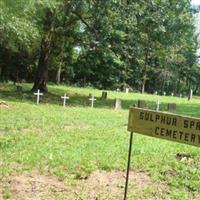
(145,72)
(58,75)
(45,49)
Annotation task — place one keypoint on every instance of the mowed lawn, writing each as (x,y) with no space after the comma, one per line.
(79,149)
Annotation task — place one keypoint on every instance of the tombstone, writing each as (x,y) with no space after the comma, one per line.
(65,97)
(18,89)
(172,94)
(127,90)
(171,106)
(190,95)
(38,94)
(104,95)
(158,105)
(118,104)
(92,99)
(118,90)
(141,104)
(164,93)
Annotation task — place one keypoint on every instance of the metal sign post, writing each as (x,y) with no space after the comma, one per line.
(128,166)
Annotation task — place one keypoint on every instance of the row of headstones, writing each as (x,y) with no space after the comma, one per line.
(117,104)
(180,95)
(170,106)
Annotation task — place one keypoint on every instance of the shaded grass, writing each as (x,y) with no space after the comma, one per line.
(34,136)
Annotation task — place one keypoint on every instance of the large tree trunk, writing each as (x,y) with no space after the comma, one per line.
(45,49)
(58,75)
(144,72)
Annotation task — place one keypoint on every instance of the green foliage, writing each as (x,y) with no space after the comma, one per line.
(140,44)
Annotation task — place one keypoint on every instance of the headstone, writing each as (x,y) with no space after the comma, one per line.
(141,104)
(104,95)
(65,97)
(38,94)
(118,90)
(19,89)
(164,93)
(171,106)
(172,94)
(158,105)
(190,95)
(92,99)
(127,90)
(118,104)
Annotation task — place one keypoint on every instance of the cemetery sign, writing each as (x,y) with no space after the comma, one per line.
(165,126)
(162,125)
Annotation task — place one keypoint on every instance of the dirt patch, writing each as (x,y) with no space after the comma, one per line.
(100,185)
(4,105)
(110,186)
(35,186)
(76,126)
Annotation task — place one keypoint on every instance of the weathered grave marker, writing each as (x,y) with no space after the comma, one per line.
(161,125)
(38,94)
(171,106)
(18,88)
(118,104)
(158,105)
(104,95)
(141,104)
(190,95)
(92,99)
(65,97)
(127,90)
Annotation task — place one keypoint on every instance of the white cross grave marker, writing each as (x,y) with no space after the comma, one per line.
(158,105)
(65,97)
(38,94)
(92,99)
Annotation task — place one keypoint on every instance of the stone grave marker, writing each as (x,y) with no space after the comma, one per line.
(65,97)
(164,93)
(92,99)
(127,90)
(171,106)
(38,94)
(172,94)
(158,105)
(141,104)
(18,89)
(104,95)
(118,104)
(118,90)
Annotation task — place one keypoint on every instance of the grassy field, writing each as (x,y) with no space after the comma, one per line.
(81,153)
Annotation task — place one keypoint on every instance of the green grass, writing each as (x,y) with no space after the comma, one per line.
(78,140)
